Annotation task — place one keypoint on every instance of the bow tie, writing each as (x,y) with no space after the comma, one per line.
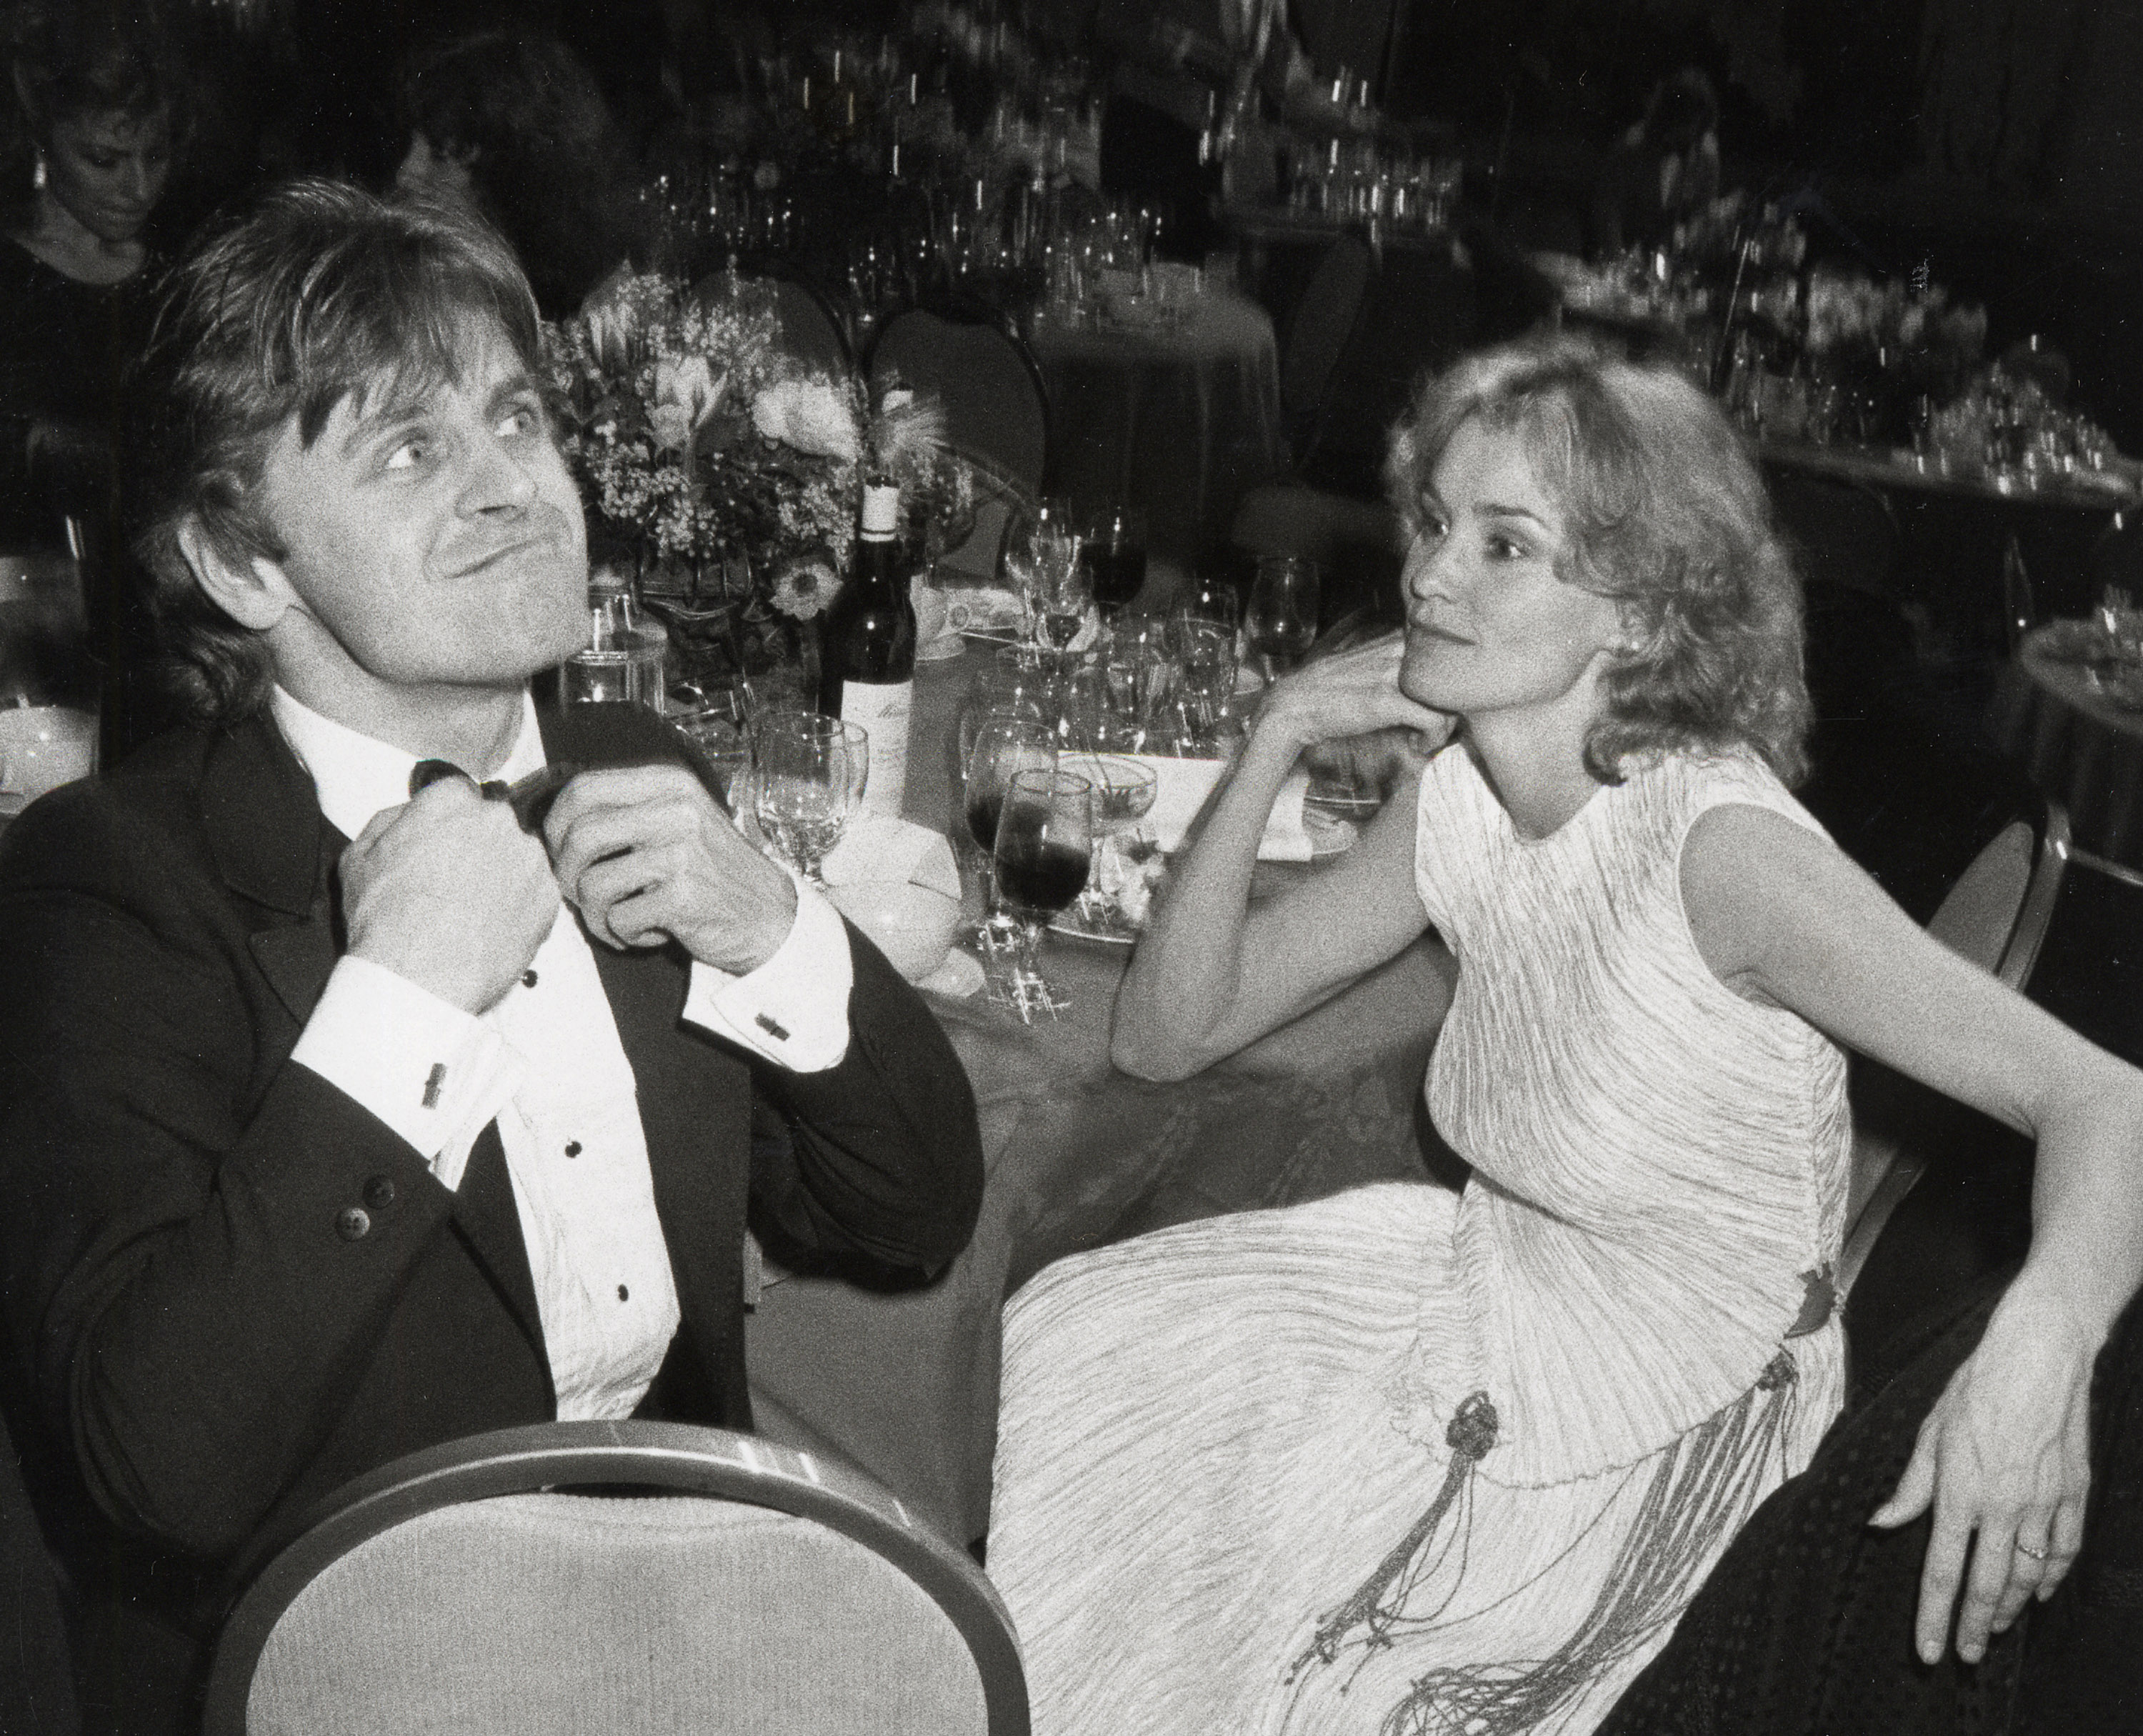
(530,797)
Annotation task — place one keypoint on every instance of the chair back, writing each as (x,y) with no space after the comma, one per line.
(2020,613)
(811,331)
(1324,319)
(997,408)
(622,1577)
(1996,916)
(1846,533)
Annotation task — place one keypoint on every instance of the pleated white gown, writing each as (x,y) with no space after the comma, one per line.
(1221,1443)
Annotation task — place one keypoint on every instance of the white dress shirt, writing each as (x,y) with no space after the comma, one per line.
(546,1063)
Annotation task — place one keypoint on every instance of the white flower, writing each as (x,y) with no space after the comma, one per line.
(813,416)
(805,587)
(687,392)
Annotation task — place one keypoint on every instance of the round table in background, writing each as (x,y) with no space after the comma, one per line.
(1180,420)
(2079,745)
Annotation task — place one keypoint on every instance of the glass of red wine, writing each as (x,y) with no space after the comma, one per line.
(1003,744)
(1114,555)
(1044,848)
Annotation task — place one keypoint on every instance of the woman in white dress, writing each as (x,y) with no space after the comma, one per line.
(1401,1461)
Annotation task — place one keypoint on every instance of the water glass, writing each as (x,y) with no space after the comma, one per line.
(623,666)
(808,778)
(717,718)
(1281,623)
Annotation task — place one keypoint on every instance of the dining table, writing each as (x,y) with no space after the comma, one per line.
(1080,1153)
(2078,736)
(1167,404)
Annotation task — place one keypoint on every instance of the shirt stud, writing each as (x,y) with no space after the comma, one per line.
(573,1148)
(528,977)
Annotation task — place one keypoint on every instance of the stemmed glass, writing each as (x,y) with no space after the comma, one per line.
(1031,544)
(1004,743)
(1063,591)
(1044,848)
(1201,631)
(717,718)
(1124,792)
(809,777)
(1281,623)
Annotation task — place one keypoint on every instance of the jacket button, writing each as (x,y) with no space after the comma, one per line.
(353,1223)
(379,1193)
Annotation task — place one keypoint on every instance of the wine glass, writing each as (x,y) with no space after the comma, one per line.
(1205,647)
(1027,546)
(808,777)
(1063,591)
(1043,850)
(1281,623)
(716,717)
(1004,744)
(1114,555)
(1124,792)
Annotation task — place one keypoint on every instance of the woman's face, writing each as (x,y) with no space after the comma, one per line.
(438,175)
(107,169)
(1490,627)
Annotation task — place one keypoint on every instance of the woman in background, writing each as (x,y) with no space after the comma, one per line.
(515,127)
(1403,1460)
(97,99)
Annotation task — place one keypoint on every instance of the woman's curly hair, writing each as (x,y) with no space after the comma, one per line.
(1664,512)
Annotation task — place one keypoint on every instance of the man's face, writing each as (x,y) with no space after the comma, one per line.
(436,542)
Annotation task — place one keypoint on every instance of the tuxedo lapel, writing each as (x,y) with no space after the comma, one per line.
(490,1222)
(274,850)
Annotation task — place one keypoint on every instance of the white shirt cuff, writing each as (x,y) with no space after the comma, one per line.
(794,1009)
(434,1074)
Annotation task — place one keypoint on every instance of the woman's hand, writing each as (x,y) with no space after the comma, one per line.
(2004,1454)
(1354,692)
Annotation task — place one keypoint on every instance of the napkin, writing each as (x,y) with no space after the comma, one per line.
(981,609)
(1181,787)
(897,881)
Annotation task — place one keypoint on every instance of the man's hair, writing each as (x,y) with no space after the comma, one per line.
(1663,512)
(322,293)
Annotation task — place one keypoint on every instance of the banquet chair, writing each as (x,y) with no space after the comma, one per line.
(996,415)
(1996,916)
(2020,613)
(811,331)
(1317,336)
(996,403)
(616,1576)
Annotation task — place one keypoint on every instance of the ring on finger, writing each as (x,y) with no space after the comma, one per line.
(2022,1548)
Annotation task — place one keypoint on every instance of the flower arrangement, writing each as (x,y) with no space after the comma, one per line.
(727,474)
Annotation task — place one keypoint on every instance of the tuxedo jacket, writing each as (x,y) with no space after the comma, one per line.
(228,1289)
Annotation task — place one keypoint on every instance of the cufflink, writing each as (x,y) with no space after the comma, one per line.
(779,1032)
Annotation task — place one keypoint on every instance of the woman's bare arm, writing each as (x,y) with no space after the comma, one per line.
(1780,915)
(1211,974)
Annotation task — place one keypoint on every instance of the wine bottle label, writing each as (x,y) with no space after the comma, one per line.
(883,708)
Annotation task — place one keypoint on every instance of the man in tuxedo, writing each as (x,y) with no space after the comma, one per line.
(336,1121)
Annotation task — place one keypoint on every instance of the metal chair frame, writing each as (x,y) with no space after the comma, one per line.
(714,1463)
(958,313)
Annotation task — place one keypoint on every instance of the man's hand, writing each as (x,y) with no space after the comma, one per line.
(646,856)
(448,893)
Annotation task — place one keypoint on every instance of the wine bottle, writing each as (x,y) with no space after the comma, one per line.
(867,651)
